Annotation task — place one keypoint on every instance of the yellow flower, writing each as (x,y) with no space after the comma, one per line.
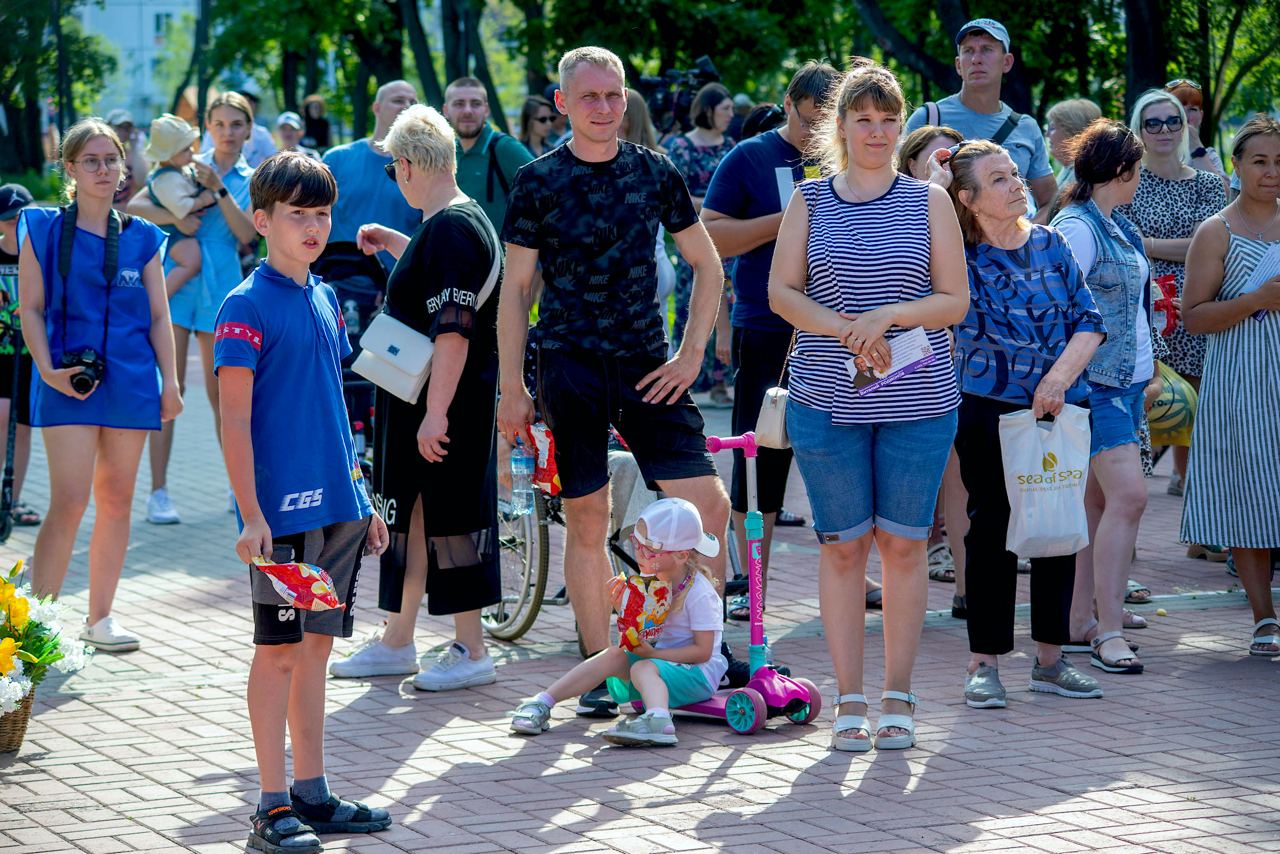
(6,592)
(19,613)
(8,648)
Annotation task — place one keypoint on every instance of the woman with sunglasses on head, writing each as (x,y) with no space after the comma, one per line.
(1200,156)
(96,321)
(1031,330)
(1171,201)
(536,117)
(1233,475)
(1122,382)
(866,256)
(434,472)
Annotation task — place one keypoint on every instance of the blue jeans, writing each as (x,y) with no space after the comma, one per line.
(861,476)
(1115,416)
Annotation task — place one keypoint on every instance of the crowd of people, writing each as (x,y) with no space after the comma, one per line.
(833,235)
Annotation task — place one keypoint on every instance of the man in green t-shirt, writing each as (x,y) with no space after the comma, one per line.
(487,159)
(14,390)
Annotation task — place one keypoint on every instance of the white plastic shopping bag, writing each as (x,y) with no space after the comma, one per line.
(1045,470)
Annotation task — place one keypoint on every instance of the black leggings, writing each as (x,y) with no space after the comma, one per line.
(990,571)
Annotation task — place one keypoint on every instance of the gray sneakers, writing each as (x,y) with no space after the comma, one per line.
(982,690)
(644,731)
(1065,681)
(532,717)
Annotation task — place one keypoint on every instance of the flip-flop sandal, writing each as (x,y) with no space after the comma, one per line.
(945,574)
(363,819)
(1265,640)
(24,516)
(1133,668)
(740,609)
(942,566)
(1136,593)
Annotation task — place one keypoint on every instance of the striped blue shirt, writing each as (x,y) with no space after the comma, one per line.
(862,256)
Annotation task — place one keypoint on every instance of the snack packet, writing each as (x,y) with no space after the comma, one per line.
(645,602)
(305,586)
(545,474)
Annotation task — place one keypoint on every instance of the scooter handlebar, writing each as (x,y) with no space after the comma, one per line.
(747,442)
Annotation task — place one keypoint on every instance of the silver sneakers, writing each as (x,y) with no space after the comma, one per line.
(982,690)
(108,636)
(454,668)
(1065,681)
(374,658)
(645,730)
(532,717)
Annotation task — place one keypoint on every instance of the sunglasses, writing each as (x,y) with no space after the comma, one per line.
(543,119)
(648,549)
(1173,125)
(1182,81)
(390,169)
(955,149)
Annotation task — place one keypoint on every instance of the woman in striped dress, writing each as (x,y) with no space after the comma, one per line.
(1233,474)
(866,256)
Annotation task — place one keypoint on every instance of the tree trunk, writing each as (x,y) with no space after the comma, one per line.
(938,73)
(452,20)
(1200,70)
(431,90)
(312,82)
(476,45)
(186,77)
(1148,55)
(290,67)
(360,103)
(535,73)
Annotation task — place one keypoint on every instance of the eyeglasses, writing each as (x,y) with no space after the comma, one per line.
(955,149)
(1173,124)
(647,549)
(1182,81)
(390,169)
(95,164)
(543,119)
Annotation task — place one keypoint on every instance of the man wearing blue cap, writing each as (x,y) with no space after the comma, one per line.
(982,60)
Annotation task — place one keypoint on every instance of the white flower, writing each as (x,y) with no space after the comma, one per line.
(75,655)
(16,671)
(12,690)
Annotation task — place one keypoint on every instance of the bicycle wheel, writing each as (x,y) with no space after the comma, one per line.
(525,555)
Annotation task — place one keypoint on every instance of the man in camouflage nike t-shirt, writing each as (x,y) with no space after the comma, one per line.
(589,212)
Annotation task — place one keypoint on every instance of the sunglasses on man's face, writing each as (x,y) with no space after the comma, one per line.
(1173,124)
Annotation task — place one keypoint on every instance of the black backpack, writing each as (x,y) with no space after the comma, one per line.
(495,170)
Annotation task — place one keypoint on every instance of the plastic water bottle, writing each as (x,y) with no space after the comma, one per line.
(357,436)
(522,461)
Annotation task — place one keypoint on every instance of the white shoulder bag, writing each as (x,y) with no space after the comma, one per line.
(396,357)
(771,423)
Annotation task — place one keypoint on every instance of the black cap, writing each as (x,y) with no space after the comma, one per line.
(13,198)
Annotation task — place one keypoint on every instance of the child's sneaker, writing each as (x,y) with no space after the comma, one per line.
(108,636)
(338,816)
(645,730)
(532,717)
(454,668)
(374,658)
(280,831)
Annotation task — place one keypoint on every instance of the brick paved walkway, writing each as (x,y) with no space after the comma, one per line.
(151,750)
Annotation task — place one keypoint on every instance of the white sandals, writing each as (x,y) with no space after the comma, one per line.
(1258,640)
(907,722)
(844,723)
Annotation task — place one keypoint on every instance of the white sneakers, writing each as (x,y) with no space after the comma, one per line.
(108,636)
(160,509)
(374,658)
(454,668)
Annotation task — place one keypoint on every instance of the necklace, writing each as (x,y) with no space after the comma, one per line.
(1249,226)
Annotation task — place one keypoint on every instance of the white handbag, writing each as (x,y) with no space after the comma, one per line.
(396,357)
(771,423)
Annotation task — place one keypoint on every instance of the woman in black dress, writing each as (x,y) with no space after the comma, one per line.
(434,475)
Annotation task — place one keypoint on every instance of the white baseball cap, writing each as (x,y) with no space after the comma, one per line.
(290,118)
(673,525)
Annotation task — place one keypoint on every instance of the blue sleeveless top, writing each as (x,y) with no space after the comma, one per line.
(129,394)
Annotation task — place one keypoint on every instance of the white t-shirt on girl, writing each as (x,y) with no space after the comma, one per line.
(701,611)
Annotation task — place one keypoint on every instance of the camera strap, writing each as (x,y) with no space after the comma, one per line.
(110,263)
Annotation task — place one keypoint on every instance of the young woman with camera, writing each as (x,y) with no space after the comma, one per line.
(97,325)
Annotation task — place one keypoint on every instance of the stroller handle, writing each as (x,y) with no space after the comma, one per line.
(747,442)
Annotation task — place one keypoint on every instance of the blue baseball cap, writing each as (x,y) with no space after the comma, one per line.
(13,198)
(991,27)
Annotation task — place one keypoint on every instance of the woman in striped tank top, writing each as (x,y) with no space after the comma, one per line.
(866,255)
(1233,474)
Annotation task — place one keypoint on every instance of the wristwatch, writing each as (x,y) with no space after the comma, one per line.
(222,192)
(1199,152)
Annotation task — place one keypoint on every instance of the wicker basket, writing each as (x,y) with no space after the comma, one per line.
(13,725)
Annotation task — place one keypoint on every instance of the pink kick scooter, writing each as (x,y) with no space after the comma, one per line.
(769,694)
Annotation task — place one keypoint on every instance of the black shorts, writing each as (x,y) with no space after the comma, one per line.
(22,396)
(337,549)
(583,393)
(758,358)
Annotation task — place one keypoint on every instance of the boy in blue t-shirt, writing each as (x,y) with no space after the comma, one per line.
(279,344)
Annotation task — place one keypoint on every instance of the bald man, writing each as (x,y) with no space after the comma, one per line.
(364,193)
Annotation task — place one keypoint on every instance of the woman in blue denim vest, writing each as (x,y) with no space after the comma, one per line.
(1122,381)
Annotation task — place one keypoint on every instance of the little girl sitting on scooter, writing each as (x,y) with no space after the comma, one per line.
(683,665)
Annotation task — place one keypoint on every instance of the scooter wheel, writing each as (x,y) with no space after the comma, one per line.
(803,713)
(745,711)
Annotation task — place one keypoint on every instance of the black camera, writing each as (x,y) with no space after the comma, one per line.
(91,366)
(671,95)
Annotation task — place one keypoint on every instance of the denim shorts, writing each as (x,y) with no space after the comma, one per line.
(860,476)
(1115,416)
